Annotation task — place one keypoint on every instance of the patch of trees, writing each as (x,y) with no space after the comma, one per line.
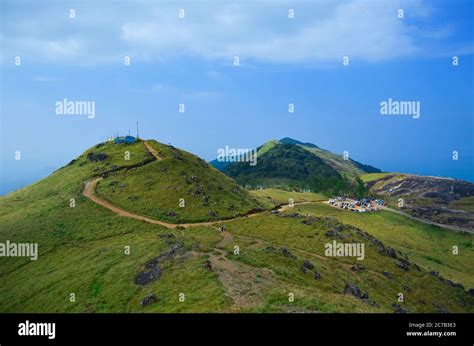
(338,186)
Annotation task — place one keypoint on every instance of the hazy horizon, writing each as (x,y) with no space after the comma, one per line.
(282,61)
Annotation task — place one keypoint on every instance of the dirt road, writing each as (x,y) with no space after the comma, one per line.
(89,192)
(152,151)
(428,222)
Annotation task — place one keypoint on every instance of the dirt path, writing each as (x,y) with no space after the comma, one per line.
(152,151)
(428,222)
(244,284)
(89,192)
(286,207)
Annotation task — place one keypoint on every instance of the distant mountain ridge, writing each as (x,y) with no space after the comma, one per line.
(288,140)
(289,162)
(292,163)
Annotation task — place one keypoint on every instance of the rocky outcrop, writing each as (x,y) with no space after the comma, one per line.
(152,270)
(428,198)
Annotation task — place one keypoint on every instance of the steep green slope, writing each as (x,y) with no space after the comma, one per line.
(287,165)
(82,250)
(42,210)
(306,229)
(281,164)
(179,188)
(291,164)
(349,167)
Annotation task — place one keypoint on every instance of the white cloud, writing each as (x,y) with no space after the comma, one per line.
(259,32)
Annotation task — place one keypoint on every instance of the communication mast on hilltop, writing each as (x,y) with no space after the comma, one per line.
(137,131)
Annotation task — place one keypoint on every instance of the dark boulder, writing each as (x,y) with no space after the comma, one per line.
(399,309)
(447,282)
(96,157)
(352,290)
(308,265)
(287,253)
(358,268)
(149,299)
(167,236)
(402,265)
(391,252)
(335,232)
(148,276)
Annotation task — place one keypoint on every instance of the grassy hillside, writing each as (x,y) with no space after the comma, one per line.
(283,162)
(303,232)
(369,177)
(429,246)
(278,197)
(292,166)
(82,249)
(349,167)
(156,189)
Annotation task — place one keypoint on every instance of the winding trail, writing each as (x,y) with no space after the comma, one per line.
(89,192)
(152,151)
(428,222)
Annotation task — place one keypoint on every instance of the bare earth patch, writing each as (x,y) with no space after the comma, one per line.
(245,284)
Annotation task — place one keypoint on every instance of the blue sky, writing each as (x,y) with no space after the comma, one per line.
(282,61)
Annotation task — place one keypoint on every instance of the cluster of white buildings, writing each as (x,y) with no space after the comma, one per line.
(358,205)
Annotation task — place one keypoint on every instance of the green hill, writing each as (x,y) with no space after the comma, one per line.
(156,189)
(139,183)
(291,164)
(348,167)
(281,164)
(118,263)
